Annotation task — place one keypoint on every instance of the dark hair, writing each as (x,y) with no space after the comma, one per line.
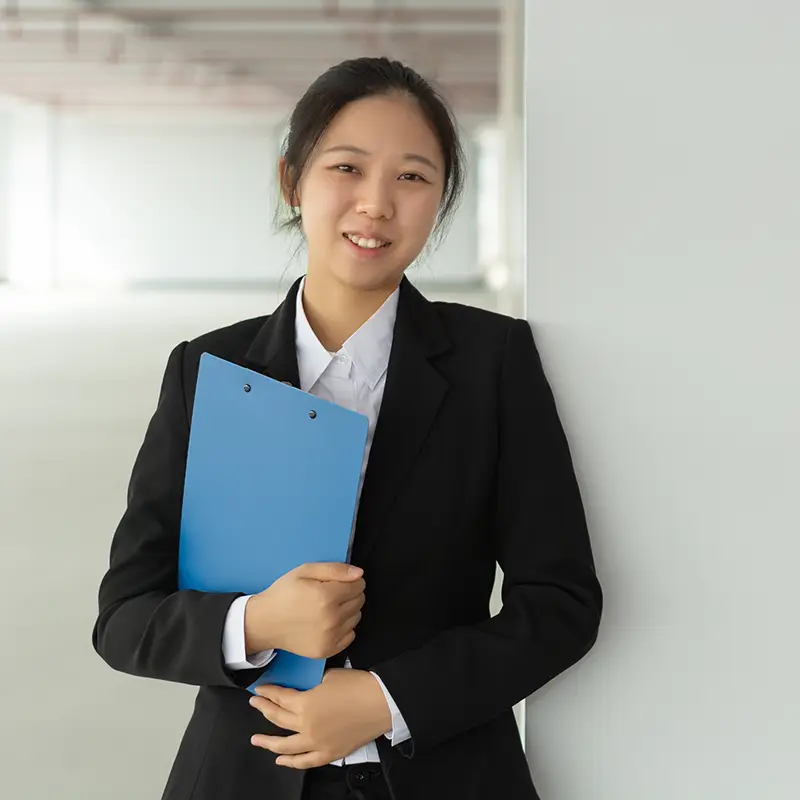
(356,79)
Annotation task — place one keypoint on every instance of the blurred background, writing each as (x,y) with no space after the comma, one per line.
(661,173)
(138,150)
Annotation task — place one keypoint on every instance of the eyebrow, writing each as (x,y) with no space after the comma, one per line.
(347,148)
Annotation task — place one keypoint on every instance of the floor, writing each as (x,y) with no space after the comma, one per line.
(79,377)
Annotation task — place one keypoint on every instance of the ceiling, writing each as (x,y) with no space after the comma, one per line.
(260,56)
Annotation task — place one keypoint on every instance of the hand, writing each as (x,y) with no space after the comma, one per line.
(310,611)
(344,712)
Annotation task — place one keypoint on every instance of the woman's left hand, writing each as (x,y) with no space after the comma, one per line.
(346,711)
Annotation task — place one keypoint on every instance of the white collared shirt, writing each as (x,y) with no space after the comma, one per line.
(353,377)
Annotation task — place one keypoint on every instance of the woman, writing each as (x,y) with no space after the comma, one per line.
(468,466)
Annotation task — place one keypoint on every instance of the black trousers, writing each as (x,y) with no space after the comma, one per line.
(351,782)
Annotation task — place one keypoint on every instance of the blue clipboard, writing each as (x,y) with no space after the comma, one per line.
(272,477)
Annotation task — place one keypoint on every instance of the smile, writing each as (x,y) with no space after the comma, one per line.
(368,244)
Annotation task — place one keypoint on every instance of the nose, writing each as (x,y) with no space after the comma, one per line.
(375,200)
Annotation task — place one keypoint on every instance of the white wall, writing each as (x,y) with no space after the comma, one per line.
(160,202)
(31,221)
(157,202)
(663,253)
(5,182)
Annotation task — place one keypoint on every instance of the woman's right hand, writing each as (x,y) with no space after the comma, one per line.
(311,611)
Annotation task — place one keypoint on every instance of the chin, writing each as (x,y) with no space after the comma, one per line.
(368,278)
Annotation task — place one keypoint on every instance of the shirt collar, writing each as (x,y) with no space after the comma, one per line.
(369,347)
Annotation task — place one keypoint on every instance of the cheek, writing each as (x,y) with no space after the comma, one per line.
(325,198)
(422,215)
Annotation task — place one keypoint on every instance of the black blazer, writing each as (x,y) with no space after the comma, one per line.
(469,466)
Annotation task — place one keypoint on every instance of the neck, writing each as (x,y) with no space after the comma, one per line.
(336,311)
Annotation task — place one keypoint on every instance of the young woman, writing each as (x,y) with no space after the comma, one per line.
(466,466)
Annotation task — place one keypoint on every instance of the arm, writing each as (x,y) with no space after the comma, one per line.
(145,626)
(552,600)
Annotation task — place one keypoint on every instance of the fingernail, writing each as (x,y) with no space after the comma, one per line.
(356,571)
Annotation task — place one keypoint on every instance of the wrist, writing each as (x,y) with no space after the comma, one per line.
(255,640)
(382,713)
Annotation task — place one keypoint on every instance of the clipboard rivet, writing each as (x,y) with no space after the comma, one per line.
(312,414)
(247,387)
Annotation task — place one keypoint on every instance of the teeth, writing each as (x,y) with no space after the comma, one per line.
(368,243)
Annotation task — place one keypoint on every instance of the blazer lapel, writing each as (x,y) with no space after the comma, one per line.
(273,351)
(412,396)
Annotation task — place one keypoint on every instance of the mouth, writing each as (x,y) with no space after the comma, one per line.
(365,243)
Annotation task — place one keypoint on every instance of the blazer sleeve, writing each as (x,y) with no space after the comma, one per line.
(145,626)
(552,600)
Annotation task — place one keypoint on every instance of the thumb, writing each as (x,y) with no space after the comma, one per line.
(329,571)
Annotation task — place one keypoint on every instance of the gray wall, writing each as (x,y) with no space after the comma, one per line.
(663,168)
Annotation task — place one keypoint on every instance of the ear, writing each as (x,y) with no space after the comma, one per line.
(290,194)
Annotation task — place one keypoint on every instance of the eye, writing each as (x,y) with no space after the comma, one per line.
(345,168)
(413,177)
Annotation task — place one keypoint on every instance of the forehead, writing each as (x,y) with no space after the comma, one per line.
(383,124)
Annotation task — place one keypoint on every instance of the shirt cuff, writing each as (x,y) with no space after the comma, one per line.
(233,641)
(399,732)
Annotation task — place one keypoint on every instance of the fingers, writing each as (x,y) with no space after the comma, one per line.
(351,607)
(343,592)
(291,751)
(348,626)
(305,761)
(290,699)
(284,745)
(352,622)
(329,571)
(345,642)
(274,713)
